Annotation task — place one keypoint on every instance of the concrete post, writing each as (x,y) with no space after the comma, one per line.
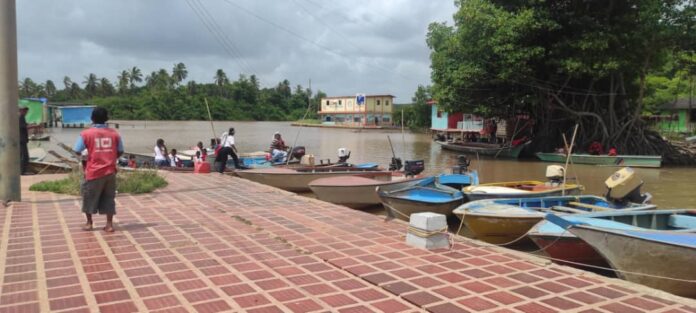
(9,115)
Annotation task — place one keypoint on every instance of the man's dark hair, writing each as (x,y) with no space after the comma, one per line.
(231,130)
(100,115)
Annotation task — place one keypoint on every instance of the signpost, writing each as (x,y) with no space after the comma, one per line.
(360,101)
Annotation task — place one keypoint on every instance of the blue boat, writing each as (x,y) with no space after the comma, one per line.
(502,221)
(660,259)
(562,245)
(433,194)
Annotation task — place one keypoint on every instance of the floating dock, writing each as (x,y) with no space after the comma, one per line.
(214,243)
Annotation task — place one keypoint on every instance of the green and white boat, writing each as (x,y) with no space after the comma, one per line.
(604,160)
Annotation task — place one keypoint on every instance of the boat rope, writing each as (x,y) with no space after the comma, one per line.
(426,233)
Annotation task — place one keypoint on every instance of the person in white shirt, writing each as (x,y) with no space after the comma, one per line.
(227,150)
(174,160)
(161,156)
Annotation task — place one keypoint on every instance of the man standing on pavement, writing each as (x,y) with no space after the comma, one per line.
(23,141)
(104,145)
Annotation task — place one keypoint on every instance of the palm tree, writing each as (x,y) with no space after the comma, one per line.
(50,88)
(179,73)
(123,81)
(135,76)
(27,88)
(163,78)
(192,87)
(221,78)
(106,89)
(74,91)
(67,82)
(91,84)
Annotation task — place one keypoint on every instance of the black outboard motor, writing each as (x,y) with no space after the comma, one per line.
(412,168)
(297,152)
(395,164)
(462,165)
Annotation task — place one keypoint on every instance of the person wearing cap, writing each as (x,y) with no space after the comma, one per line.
(278,148)
(104,146)
(23,140)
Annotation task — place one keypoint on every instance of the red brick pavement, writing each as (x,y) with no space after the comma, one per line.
(210,243)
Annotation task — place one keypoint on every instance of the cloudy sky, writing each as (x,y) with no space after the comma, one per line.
(344,46)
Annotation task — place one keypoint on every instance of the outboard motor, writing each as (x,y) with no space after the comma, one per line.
(297,153)
(624,186)
(343,155)
(462,166)
(412,168)
(555,174)
(395,164)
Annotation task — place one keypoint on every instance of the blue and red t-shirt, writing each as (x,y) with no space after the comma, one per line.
(103,146)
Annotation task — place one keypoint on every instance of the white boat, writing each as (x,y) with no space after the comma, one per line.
(357,191)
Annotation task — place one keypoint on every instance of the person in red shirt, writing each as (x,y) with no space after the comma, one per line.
(104,146)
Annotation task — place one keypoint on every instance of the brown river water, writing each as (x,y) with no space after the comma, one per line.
(671,187)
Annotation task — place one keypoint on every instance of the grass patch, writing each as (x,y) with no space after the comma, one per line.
(134,182)
(309,121)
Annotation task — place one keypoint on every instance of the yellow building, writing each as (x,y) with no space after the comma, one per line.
(359,110)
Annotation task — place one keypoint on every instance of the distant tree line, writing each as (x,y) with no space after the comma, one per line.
(162,95)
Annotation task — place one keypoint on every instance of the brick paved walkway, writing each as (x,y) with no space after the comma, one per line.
(209,243)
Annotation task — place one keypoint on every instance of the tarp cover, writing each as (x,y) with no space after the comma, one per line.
(35,113)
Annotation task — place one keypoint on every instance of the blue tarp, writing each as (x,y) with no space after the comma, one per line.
(76,115)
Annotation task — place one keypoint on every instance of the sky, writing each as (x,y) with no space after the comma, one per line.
(344,47)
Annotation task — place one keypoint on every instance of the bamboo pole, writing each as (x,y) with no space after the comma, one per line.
(210,117)
(570,152)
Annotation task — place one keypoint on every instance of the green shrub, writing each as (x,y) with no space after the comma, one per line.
(134,182)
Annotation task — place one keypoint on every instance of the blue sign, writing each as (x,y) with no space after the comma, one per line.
(360,99)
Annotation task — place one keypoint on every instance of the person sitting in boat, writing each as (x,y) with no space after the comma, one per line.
(279,151)
(131,161)
(174,160)
(161,156)
(198,158)
(612,152)
(201,152)
(595,148)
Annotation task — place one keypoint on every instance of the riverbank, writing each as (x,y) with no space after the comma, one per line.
(369,127)
(196,246)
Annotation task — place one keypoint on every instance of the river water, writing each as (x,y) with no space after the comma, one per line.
(671,187)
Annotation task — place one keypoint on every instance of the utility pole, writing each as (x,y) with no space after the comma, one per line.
(9,115)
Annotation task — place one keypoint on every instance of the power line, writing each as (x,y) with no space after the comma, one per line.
(216,36)
(337,53)
(224,36)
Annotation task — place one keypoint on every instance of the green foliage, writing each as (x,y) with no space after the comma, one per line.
(165,97)
(417,114)
(135,182)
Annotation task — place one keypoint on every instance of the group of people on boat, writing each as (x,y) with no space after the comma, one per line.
(222,149)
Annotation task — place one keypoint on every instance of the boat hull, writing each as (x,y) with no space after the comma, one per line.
(628,254)
(499,229)
(575,190)
(359,196)
(569,249)
(291,180)
(484,149)
(605,160)
(406,207)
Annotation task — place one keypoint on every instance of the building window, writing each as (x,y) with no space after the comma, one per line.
(377,102)
(386,118)
(339,102)
(439,113)
(327,102)
(356,119)
(386,102)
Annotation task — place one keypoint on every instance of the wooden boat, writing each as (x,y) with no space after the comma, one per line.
(519,189)
(665,257)
(356,191)
(39,167)
(502,221)
(39,137)
(37,154)
(606,160)
(429,195)
(562,245)
(481,148)
(298,179)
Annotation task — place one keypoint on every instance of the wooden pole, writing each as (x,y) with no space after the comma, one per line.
(10,189)
(570,152)
(210,117)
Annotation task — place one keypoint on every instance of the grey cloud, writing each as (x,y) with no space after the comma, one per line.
(348,46)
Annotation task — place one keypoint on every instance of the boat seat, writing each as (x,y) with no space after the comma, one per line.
(526,187)
(682,221)
(589,206)
(542,188)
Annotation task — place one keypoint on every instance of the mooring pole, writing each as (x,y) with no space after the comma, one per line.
(9,115)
